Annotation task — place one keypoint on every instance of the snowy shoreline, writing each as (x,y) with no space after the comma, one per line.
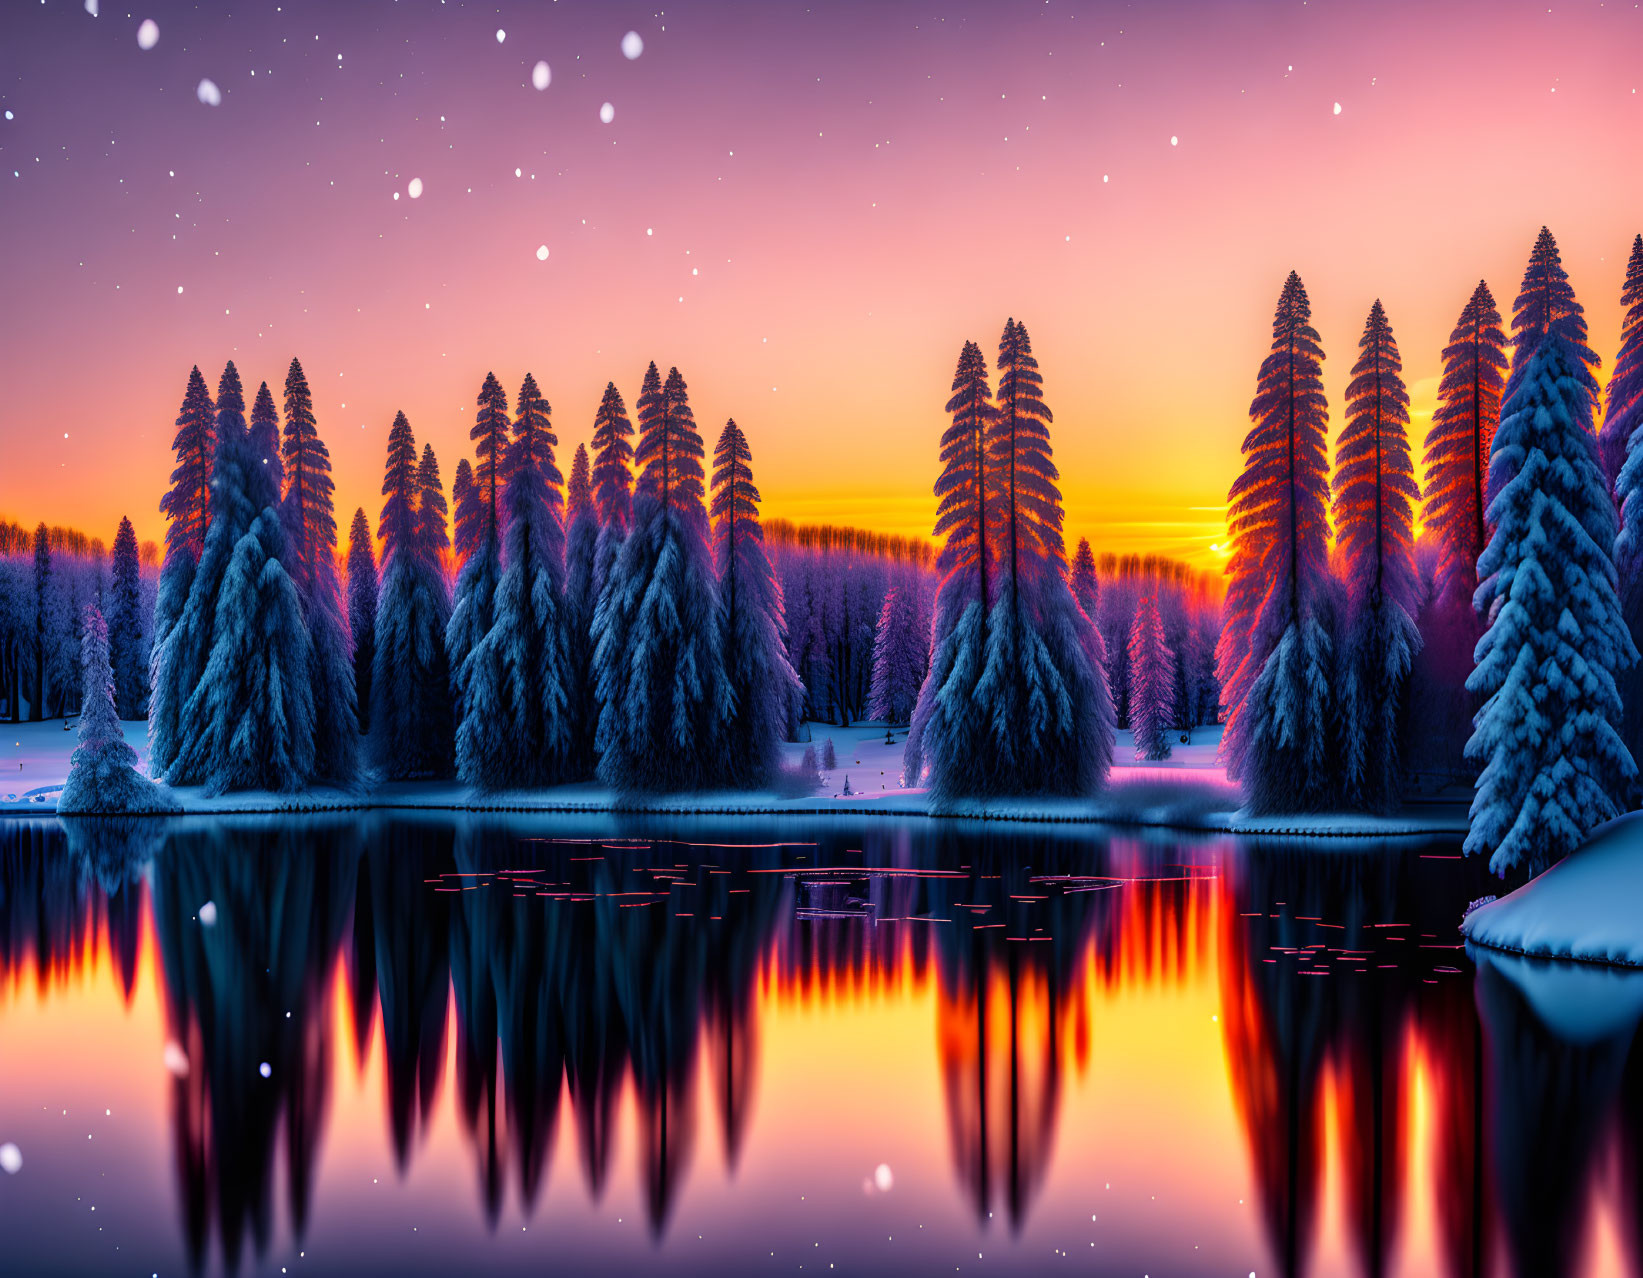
(1187,792)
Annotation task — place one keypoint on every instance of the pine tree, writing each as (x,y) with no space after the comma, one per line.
(514,730)
(949,726)
(239,491)
(899,656)
(1455,517)
(308,516)
(479,521)
(1086,586)
(362,610)
(1152,680)
(103,774)
(253,708)
(467,512)
(1545,302)
(1278,654)
(581,600)
(127,654)
(1620,435)
(1553,764)
(410,684)
(658,671)
(752,629)
(1375,495)
(264,438)
(1049,706)
(187,507)
(51,623)
(1623,412)
(612,480)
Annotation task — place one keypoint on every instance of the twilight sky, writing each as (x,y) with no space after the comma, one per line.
(807,207)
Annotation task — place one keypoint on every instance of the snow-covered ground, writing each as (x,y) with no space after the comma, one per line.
(1190,789)
(1588,907)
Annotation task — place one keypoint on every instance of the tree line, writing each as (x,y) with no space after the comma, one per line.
(1344,669)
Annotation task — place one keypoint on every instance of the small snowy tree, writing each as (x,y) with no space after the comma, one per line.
(1152,677)
(362,610)
(900,655)
(1554,766)
(1278,658)
(829,756)
(760,685)
(514,729)
(308,516)
(612,480)
(103,774)
(1375,494)
(410,683)
(657,664)
(581,600)
(187,507)
(127,651)
(949,727)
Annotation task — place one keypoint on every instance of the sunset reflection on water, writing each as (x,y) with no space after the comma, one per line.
(868,1045)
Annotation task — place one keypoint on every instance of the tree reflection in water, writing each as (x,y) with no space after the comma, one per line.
(632,970)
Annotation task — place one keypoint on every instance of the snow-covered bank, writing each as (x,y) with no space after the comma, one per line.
(1588,907)
(1188,791)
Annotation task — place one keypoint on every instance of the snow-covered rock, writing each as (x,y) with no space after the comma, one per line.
(1588,907)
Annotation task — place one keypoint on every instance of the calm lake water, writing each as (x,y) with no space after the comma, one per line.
(417,1046)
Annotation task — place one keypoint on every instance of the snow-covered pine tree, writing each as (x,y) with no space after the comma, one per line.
(1623,411)
(102,775)
(1279,658)
(263,435)
(1553,764)
(581,599)
(479,519)
(308,515)
(514,729)
(467,512)
(1048,706)
(1546,301)
(128,654)
(657,665)
(187,507)
(248,722)
(1623,429)
(1455,515)
(1375,495)
(362,610)
(950,728)
(761,686)
(238,491)
(899,655)
(1086,586)
(612,479)
(410,683)
(1152,682)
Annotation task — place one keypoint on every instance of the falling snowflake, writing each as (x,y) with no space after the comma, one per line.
(11,1159)
(414,190)
(542,253)
(91,7)
(607,113)
(148,34)
(208,911)
(1337,108)
(632,45)
(1174,141)
(501,35)
(176,1061)
(209,93)
(882,1178)
(265,1069)
(541,76)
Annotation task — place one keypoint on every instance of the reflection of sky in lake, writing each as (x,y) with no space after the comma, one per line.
(509,1048)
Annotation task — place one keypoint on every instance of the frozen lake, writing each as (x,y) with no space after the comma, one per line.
(378,1043)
